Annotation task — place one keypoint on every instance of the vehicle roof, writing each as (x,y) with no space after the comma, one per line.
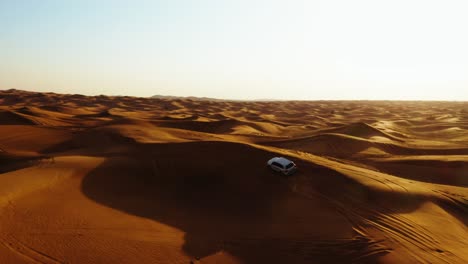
(281,160)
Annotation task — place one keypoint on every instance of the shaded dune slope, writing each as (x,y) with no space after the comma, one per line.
(225,126)
(104,113)
(245,201)
(97,140)
(12,118)
(12,162)
(242,203)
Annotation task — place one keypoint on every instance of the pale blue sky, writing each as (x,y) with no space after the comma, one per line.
(243,49)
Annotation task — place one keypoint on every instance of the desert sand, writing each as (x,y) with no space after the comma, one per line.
(165,180)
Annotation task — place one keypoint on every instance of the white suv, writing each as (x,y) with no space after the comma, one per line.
(282,165)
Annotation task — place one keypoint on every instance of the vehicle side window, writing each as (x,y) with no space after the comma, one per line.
(277,164)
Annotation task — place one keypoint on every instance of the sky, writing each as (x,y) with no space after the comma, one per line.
(242,49)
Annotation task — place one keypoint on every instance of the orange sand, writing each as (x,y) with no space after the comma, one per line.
(163,180)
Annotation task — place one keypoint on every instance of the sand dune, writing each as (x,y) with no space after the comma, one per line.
(13,118)
(166,180)
(225,126)
(361,130)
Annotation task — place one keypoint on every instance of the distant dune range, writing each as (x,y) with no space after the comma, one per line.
(166,180)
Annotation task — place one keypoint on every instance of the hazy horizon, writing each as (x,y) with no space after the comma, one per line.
(293,50)
(230,99)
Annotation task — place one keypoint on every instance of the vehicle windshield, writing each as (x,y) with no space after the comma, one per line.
(289,165)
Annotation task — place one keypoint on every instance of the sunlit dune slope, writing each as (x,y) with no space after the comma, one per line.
(110,179)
